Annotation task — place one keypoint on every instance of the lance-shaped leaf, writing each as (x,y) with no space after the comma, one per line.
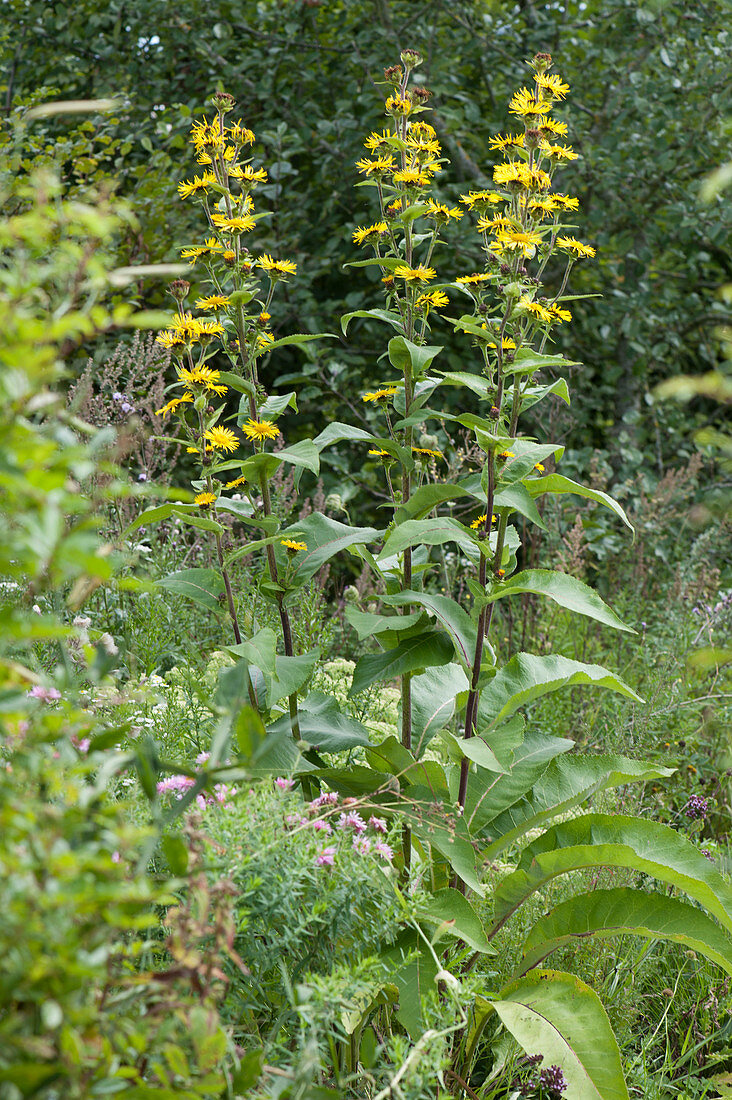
(566,782)
(304,453)
(565,590)
(429,532)
(297,339)
(337,432)
(386,315)
(449,615)
(367,624)
(427,497)
(557,483)
(604,840)
(475,382)
(474,748)
(527,360)
(433,702)
(623,911)
(527,677)
(203,586)
(259,650)
(324,725)
(324,537)
(532,395)
(422,651)
(403,353)
(453,914)
(273,407)
(291,673)
(557,1015)
(516,498)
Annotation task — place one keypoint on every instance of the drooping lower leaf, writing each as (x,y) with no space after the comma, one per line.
(431,647)
(567,591)
(203,586)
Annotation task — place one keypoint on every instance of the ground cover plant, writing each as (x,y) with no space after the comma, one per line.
(300,799)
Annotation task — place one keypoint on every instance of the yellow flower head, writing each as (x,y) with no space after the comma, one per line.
(173,404)
(441,213)
(186,188)
(506,343)
(412,177)
(208,248)
(202,376)
(398,106)
(277,269)
(214,301)
(566,202)
(292,546)
(260,429)
(525,104)
(488,225)
(378,142)
(536,309)
(544,206)
(540,467)
(558,152)
(221,439)
(473,280)
(238,223)
(498,142)
(552,126)
(378,453)
(481,520)
(422,130)
(205,500)
(239,134)
(366,234)
(170,340)
(481,200)
(506,455)
(512,240)
(380,395)
(248,175)
(425,453)
(379,167)
(237,481)
(436,299)
(559,314)
(415,274)
(552,84)
(571,244)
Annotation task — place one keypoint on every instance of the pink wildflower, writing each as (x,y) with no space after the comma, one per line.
(175,783)
(322,826)
(362,845)
(352,820)
(284,784)
(82,744)
(326,857)
(328,798)
(377,824)
(384,851)
(116,857)
(202,757)
(293,820)
(46,695)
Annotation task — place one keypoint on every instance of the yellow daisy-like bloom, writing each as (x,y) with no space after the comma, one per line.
(571,244)
(399,106)
(481,520)
(543,206)
(536,309)
(381,166)
(260,429)
(473,280)
(514,241)
(239,134)
(170,339)
(425,452)
(207,134)
(412,177)
(210,328)
(540,467)
(395,206)
(183,329)
(559,314)
(221,439)
(264,339)
(214,301)
(558,152)
(365,234)
(186,188)
(376,142)
(208,248)
(277,269)
(436,299)
(513,172)
(506,455)
(237,481)
(487,225)
(553,126)
(228,154)
(377,453)
(415,274)
(293,546)
(380,395)
(506,343)
(173,404)
(202,376)
(498,142)
(422,129)
(229,255)
(525,104)
(552,84)
(239,223)
(246,174)
(481,200)
(441,213)
(205,500)
(423,145)
(567,202)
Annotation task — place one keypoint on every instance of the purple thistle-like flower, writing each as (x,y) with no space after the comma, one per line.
(352,820)
(362,845)
(322,826)
(384,851)
(696,807)
(378,824)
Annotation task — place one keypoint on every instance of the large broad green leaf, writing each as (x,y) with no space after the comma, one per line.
(435,826)
(368,624)
(428,532)
(433,702)
(475,382)
(557,483)
(489,795)
(604,840)
(557,1015)
(337,432)
(527,360)
(291,673)
(605,913)
(324,537)
(427,497)
(259,650)
(304,453)
(565,590)
(203,586)
(527,677)
(403,353)
(274,406)
(324,726)
(298,338)
(394,319)
(424,650)
(567,782)
(474,748)
(413,972)
(516,498)
(454,915)
(449,615)
(532,395)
